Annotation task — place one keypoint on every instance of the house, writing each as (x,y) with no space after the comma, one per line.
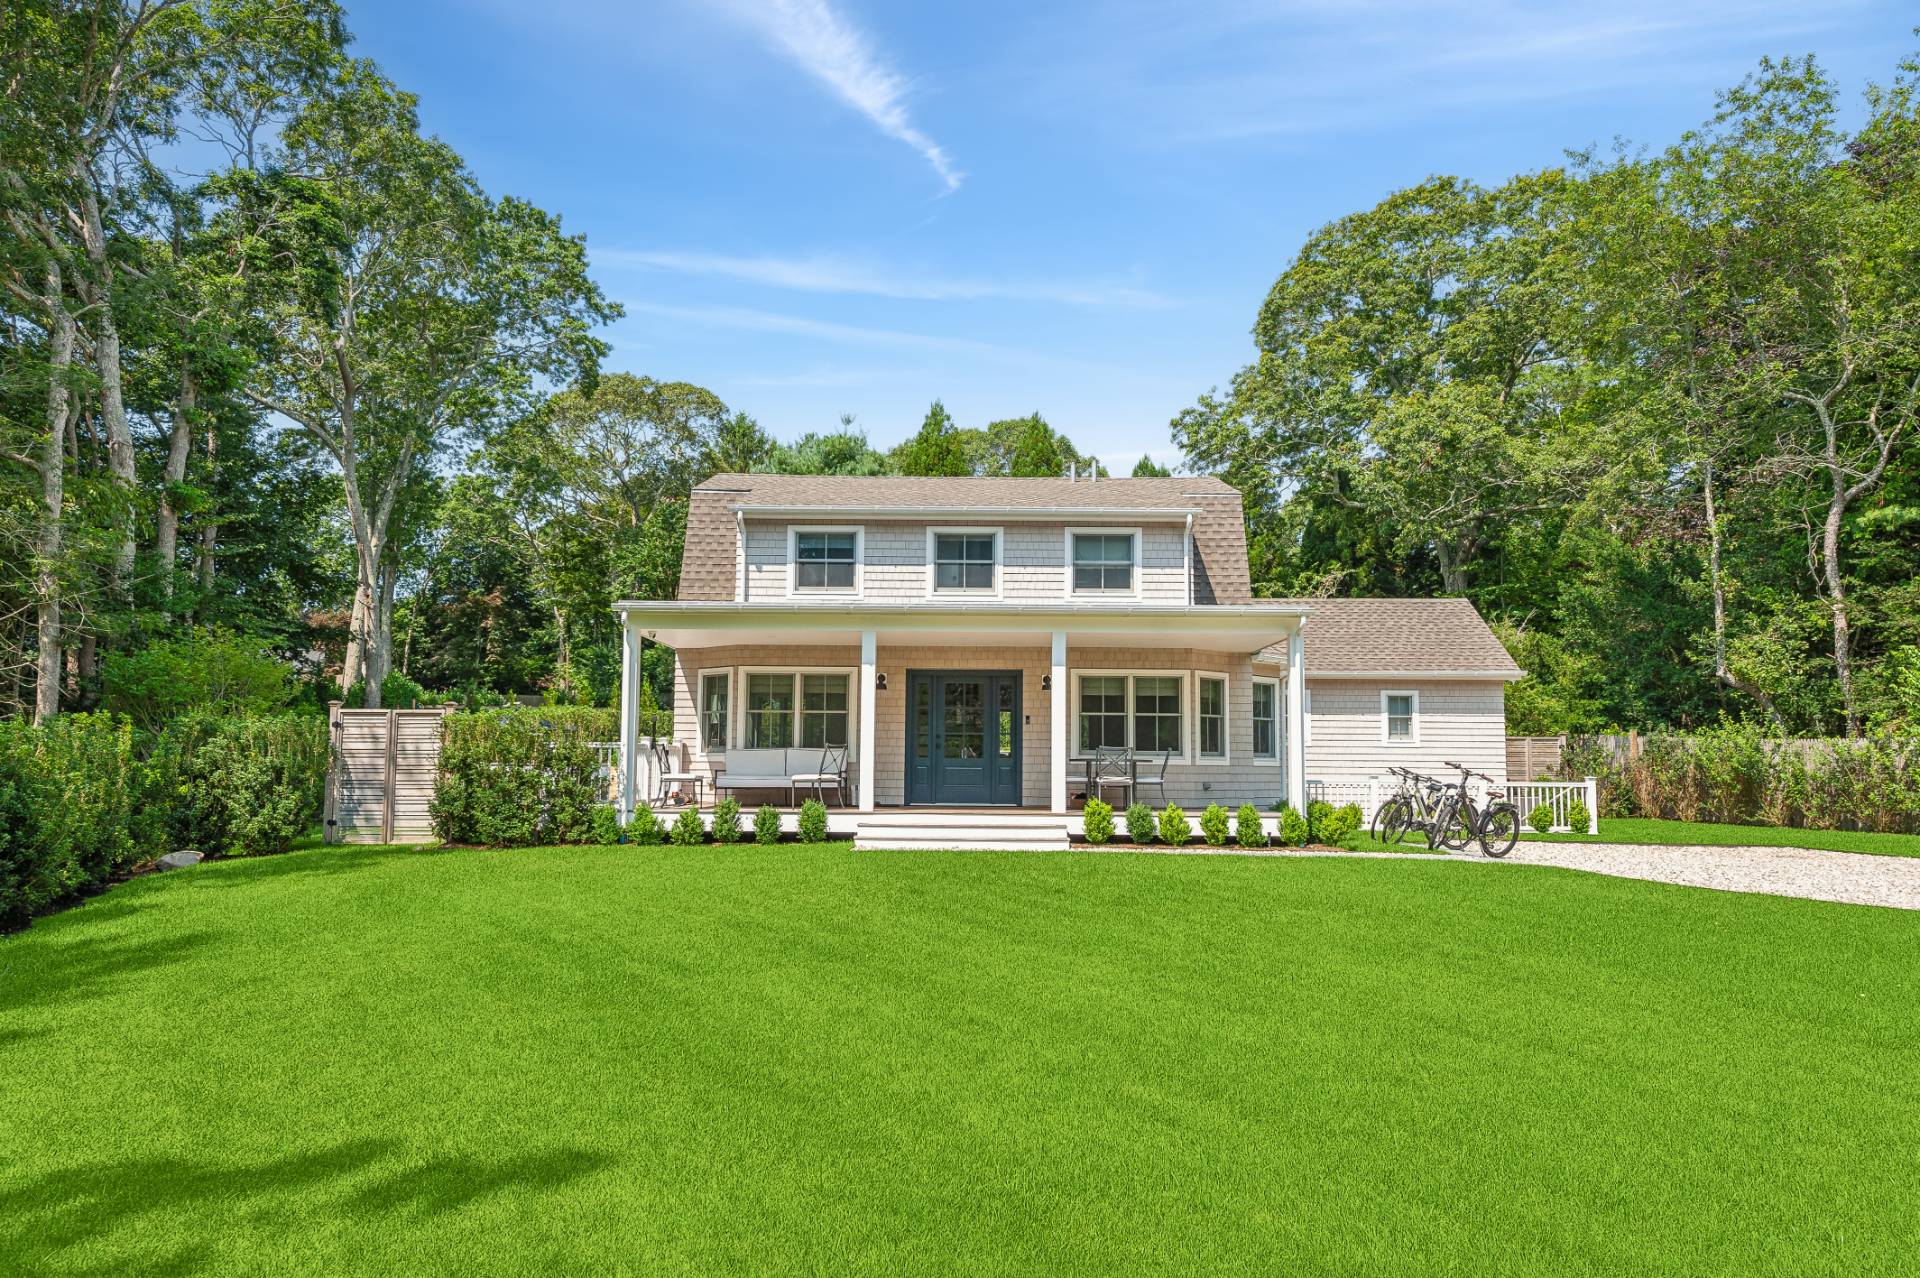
(972,642)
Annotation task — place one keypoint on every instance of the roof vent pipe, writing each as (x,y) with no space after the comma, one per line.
(1073,471)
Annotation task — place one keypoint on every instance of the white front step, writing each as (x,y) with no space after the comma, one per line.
(966,834)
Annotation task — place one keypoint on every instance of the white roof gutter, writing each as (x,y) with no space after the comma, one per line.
(1045,513)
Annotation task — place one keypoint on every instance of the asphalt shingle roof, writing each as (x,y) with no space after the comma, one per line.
(1219,533)
(1365,635)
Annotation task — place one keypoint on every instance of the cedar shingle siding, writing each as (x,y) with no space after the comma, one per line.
(709,565)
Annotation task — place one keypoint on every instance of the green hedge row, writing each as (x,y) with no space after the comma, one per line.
(86,798)
(521,777)
(1739,775)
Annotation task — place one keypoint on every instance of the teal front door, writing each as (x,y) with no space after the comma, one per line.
(963,737)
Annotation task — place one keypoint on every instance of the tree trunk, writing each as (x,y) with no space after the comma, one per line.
(48,545)
(113,406)
(562,667)
(1453,565)
(379,641)
(210,530)
(166,539)
(1837,603)
(1721,671)
(353,667)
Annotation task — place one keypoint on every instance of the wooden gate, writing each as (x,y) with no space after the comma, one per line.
(381,773)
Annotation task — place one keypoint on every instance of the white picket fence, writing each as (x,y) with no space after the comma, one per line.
(1559,796)
(1525,795)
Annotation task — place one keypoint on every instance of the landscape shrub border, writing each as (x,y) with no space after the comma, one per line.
(1739,776)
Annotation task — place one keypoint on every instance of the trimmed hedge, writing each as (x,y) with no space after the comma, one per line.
(519,778)
(244,787)
(76,808)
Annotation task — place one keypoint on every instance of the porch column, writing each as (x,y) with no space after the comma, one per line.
(1057,713)
(1297,719)
(630,642)
(869,665)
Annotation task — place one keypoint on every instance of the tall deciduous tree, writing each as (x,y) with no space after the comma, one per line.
(1407,362)
(410,309)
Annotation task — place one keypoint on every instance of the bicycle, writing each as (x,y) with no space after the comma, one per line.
(1496,828)
(1411,807)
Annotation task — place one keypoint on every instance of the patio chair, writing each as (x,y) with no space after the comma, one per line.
(832,775)
(675,773)
(1158,780)
(1110,768)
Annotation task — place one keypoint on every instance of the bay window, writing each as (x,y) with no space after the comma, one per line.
(714,687)
(1213,717)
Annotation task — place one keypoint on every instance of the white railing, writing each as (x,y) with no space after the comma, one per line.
(1525,795)
(1560,796)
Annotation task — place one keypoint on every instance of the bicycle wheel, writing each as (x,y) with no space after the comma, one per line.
(1391,821)
(1499,829)
(1452,828)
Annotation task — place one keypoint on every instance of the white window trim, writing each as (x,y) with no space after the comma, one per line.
(999,559)
(859,561)
(1226,718)
(1279,723)
(1182,755)
(1093,596)
(724,673)
(854,693)
(1414,738)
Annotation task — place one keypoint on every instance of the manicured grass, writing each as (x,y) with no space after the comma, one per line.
(1649,830)
(651,1060)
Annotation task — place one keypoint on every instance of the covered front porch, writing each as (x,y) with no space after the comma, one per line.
(988,706)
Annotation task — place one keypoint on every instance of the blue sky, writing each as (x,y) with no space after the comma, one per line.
(823,206)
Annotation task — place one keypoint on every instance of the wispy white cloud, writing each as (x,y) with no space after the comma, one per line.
(1299,69)
(826,274)
(759,321)
(839,55)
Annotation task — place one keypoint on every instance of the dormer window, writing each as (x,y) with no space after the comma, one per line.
(1104,563)
(826,560)
(965,561)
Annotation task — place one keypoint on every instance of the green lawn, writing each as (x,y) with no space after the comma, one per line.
(653,1060)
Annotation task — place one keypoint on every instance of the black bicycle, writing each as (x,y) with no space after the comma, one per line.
(1461,821)
(1412,807)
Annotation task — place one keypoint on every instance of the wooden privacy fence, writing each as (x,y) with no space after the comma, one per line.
(381,772)
(1531,757)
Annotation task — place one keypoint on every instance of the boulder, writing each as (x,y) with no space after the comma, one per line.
(178,860)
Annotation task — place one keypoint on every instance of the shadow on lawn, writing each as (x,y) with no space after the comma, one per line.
(334,859)
(67,966)
(128,1214)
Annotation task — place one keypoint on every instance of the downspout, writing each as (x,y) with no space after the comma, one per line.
(740,556)
(1189,559)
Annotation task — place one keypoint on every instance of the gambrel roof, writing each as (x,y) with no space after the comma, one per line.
(1219,533)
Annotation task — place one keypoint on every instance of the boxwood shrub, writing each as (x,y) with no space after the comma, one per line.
(1097,821)
(1140,825)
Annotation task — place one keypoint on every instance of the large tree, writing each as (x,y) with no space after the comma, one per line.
(1407,361)
(408,310)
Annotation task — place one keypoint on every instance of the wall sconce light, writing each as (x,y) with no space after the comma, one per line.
(880,681)
(1046,683)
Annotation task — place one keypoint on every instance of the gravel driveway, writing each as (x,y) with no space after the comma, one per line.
(1851,877)
(1854,877)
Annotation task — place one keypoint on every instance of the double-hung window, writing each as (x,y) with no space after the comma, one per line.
(825,560)
(823,710)
(964,561)
(714,687)
(1213,718)
(1103,562)
(769,711)
(1266,719)
(1156,713)
(1400,718)
(1103,712)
